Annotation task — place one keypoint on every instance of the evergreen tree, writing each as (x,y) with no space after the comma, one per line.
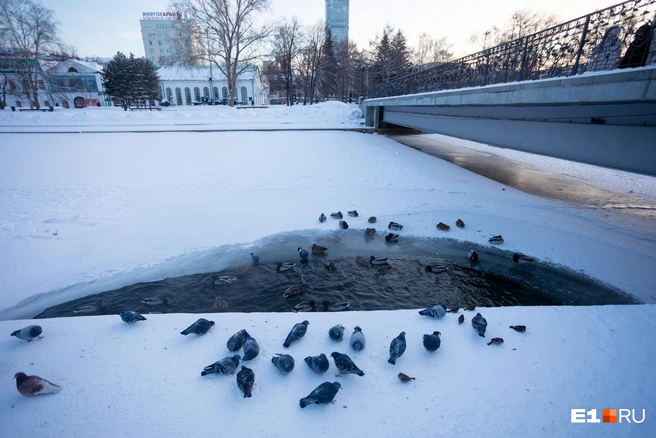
(133,80)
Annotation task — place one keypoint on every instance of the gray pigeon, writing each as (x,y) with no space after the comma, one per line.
(284,362)
(479,324)
(357,341)
(345,365)
(397,348)
(236,341)
(432,342)
(436,311)
(29,333)
(322,394)
(130,316)
(303,254)
(297,332)
(255,258)
(318,364)
(227,365)
(200,327)
(245,380)
(251,347)
(34,385)
(336,333)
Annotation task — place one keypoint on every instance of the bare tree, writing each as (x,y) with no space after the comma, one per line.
(232,39)
(30,30)
(310,59)
(521,23)
(431,51)
(286,49)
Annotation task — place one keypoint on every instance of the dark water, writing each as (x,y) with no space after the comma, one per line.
(493,281)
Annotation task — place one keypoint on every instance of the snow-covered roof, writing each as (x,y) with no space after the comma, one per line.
(80,66)
(198,73)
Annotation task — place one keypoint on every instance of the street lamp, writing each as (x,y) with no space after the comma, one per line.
(209,60)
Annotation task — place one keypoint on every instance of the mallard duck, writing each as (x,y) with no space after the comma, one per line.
(220,304)
(294,291)
(227,279)
(395,226)
(89,307)
(518,328)
(322,218)
(391,238)
(470,307)
(329,264)
(373,260)
(460,224)
(495,341)
(442,226)
(305,306)
(372,220)
(521,258)
(461,319)
(370,232)
(362,261)
(437,268)
(452,310)
(353,213)
(155,301)
(282,267)
(318,249)
(473,255)
(337,215)
(496,240)
(383,270)
(336,306)
(243,270)
(343,225)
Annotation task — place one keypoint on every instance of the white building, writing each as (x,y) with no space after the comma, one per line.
(77,84)
(185,85)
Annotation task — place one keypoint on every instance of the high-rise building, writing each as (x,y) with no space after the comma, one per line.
(158,33)
(337,19)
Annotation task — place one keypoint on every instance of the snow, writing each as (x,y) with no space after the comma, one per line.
(96,199)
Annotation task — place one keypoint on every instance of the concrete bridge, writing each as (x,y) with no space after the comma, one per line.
(606,119)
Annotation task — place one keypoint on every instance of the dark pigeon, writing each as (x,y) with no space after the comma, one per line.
(336,333)
(29,333)
(284,362)
(200,327)
(251,347)
(236,341)
(345,365)
(245,380)
(322,394)
(130,316)
(397,348)
(479,324)
(227,365)
(318,364)
(432,342)
(297,332)
(34,385)
(303,254)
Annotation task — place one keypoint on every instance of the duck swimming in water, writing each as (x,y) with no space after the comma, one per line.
(89,307)
(521,258)
(294,291)
(155,301)
(473,255)
(332,306)
(318,249)
(437,268)
(282,267)
(362,261)
(305,306)
(373,260)
(329,264)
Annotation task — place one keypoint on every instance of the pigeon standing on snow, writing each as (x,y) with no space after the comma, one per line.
(303,254)
(284,362)
(336,333)
(227,365)
(200,327)
(436,311)
(130,316)
(461,319)
(479,324)
(251,347)
(34,385)
(322,394)
(357,342)
(255,258)
(345,365)
(318,364)
(245,380)
(432,342)
(397,348)
(236,341)
(29,333)
(297,332)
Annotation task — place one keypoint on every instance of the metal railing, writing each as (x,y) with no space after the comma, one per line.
(620,36)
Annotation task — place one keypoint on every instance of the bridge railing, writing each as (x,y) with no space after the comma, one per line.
(620,36)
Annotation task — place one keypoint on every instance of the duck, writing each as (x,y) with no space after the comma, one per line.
(437,268)
(282,267)
(294,291)
(322,218)
(318,249)
(337,215)
(521,258)
(329,264)
(220,304)
(392,237)
(223,279)
(460,223)
(452,309)
(362,261)
(518,328)
(89,307)
(442,226)
(305,306)
(372,220)
(353,213)
(395,226)
(343,225)
(155,301)
(473,255)
(496,240)
(336,306)
(383,270)
(373,260)
(243,270)
(370,232)
(461,319)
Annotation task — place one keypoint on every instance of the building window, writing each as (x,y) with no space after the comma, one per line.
(18,104)
(244,95)
(72,70)
(225,92)
(206,92)
(216,92)
(187,96)
(150,42)
(178,96)
(12,85)
(169,95)
(196,93)
(41,84)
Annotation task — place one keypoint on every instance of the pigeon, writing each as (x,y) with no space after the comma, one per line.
(452,310)
(353,213)
(29,333)
(370,232)
(460,223)
(255,258)
(336,332)
(437,311)
(404,377)
(521,258)
(332,306)
(303,253)
(337,215)
(200,327)
(518,328)
(473,255)
(343,225)
(391,238)
(305,306)
(373,260)
(479,324)
(383,270)
(322,394)
(432,342)
(322,218)
(155,301)
(318,364)
(345,365)
(245,380)
(357,341)
(318,249)
(236,341)
(397,348)
(282,267)
(294,291)
(130,316)
(251,347)
(297,332)
(495,341)
(372,220)
(34,385)
(284,362)
(329,264)
(443,227)
(496,240)
(437,268)
(395,226)
(227,365)
(461,319)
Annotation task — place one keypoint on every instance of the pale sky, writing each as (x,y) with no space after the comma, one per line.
(104,27)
